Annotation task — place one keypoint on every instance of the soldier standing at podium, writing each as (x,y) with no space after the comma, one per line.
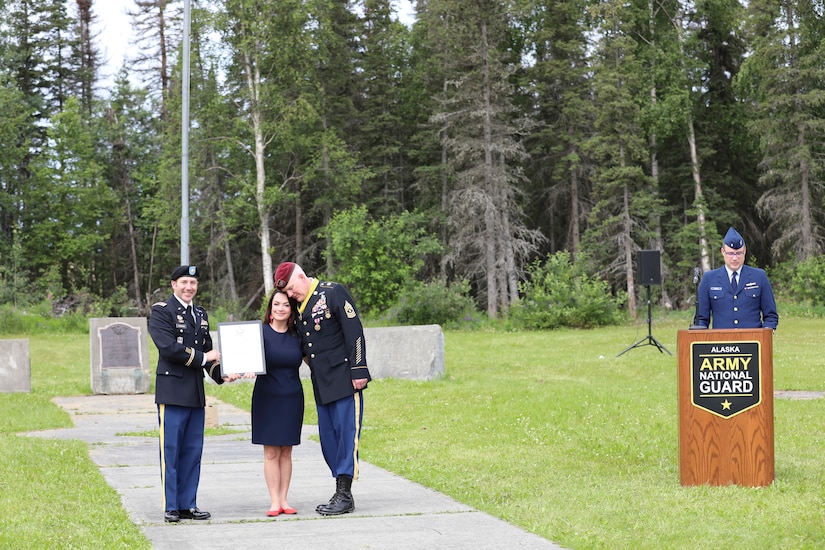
(736,295)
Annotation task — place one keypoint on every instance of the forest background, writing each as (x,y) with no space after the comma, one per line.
(500,158)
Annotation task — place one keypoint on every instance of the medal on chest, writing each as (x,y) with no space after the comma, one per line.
(320,311)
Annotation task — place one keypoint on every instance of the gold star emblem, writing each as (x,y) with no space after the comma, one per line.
(726,405)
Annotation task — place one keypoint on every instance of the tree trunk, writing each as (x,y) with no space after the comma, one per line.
(700,202)
(253,80)
(654,167)
(575,228)
(133,250)
(627,237)
(299,230)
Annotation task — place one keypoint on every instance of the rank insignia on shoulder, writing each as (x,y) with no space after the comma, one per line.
(349,310)
(163,304)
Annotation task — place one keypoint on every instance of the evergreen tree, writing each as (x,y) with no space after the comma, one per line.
(621,188)
(131,128)
(784,77)
(479,132)
(73,232)
(557,93)
(156,24)
(384,134)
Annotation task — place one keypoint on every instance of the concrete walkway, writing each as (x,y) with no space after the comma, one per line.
(390,512)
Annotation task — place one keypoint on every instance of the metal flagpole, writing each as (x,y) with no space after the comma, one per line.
(184,171)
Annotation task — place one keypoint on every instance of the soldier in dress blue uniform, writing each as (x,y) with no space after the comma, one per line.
(180,331)
(736,295)
(333,340)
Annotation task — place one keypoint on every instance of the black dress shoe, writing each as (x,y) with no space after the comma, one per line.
(194,513)
(171,516)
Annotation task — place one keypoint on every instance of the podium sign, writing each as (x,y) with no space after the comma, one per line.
(726,376)
(726,407)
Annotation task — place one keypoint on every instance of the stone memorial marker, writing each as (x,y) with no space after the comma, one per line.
(15,366)
(413,352)
(119,351)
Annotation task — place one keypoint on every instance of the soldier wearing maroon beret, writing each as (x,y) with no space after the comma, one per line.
(333,341)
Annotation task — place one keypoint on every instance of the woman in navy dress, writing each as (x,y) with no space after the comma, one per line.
(278,401)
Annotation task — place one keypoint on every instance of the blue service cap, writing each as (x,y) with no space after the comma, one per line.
(185,271)
(733,239)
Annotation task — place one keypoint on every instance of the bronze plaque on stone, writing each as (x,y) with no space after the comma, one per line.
(120,347)
(119,355)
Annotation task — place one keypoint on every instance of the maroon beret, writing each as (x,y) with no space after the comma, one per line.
(283,273)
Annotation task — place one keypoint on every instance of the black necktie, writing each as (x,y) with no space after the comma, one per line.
(733,282)
(189,314)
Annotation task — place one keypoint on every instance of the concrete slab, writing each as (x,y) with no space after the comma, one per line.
(391,513)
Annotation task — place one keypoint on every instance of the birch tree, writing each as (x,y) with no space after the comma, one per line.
(262,37)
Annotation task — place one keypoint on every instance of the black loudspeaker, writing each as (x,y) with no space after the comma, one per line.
(647,263)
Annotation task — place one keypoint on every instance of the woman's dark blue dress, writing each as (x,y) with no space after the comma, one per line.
(278,397)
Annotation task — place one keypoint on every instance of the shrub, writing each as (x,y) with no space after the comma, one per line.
(39,319)
(434,303)
(559,294)
(377,259)
(807,281)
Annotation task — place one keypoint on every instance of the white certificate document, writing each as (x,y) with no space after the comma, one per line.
(242,347)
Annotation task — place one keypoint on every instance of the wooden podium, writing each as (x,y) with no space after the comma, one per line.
(726,407)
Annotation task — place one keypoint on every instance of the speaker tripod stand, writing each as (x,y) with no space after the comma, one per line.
(648,340)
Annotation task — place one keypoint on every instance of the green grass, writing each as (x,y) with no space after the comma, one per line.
(549,431)
(51,493)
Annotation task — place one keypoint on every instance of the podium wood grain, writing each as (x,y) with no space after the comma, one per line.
(736,450)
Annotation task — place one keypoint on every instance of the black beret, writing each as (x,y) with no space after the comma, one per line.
(185,271)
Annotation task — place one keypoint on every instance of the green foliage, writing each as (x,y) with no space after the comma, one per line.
(70,177)
(14,278)
(40,319)
(434,303)
(66,315)
(377,259)
(355,107)
(560,294)
(802,281)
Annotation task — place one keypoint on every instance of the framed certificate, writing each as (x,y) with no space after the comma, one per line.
(242,347)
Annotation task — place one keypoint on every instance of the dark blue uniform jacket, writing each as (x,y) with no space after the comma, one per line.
(333,340)
(751,306)
(182,342)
